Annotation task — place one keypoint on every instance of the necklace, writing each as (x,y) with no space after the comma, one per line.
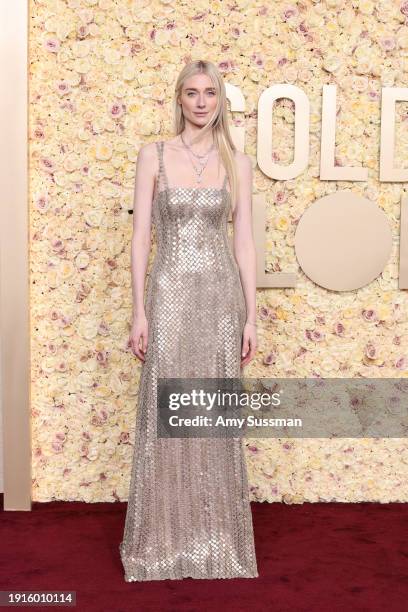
(193,152)
(202,159)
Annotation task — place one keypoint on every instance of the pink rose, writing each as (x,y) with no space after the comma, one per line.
(401,363)
(369,315)
(116,110)
(371,351)
(52,45)
(289,12)
(264,313)
(339,329)
(280,197)
(269,359)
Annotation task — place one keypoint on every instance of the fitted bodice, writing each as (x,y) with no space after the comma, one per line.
(191,226)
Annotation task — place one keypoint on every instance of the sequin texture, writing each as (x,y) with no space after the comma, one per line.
(188,512)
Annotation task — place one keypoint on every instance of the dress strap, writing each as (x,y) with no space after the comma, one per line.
(225,180)
(162,170)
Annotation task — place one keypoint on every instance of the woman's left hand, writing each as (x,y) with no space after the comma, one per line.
(249,344)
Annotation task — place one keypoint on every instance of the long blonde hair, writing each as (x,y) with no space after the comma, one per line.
(218,122)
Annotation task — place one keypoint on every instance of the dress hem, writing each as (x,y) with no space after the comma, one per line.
(195,577)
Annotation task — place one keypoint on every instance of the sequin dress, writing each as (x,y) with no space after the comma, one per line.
(188,512)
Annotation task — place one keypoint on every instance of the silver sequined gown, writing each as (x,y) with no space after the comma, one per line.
(188,511)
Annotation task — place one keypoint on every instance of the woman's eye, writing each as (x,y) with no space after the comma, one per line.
(191,93)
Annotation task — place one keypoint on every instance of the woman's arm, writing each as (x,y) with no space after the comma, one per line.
(244,247)
(140,247)
(142,217)
(245,254)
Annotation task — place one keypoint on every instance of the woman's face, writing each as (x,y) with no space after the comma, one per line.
(198,99)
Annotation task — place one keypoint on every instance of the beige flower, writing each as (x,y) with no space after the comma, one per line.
(87,327)
(366,7)
(93,217)
(331,62)
(81,48)
(82,260)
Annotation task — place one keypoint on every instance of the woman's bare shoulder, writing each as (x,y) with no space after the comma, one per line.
(147,156)
(148,159)
(172,143)
(149,148)
(242,159)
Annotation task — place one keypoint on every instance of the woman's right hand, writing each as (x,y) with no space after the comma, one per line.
(138,337)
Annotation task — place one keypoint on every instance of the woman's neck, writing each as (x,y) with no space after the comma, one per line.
(201,145)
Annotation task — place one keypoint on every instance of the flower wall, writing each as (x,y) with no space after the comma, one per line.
(102,74)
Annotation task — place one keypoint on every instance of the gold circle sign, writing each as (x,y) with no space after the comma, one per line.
(343,241)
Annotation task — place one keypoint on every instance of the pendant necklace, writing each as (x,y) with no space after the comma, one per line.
(202,159)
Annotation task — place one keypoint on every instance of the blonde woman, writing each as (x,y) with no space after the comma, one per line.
(188,511)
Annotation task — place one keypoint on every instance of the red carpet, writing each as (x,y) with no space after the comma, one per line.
(311,557)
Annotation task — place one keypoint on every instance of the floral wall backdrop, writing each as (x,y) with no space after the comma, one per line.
(102,74)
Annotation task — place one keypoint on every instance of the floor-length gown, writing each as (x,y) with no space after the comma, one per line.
(188,511)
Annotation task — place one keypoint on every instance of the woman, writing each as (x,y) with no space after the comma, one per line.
(188,510)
